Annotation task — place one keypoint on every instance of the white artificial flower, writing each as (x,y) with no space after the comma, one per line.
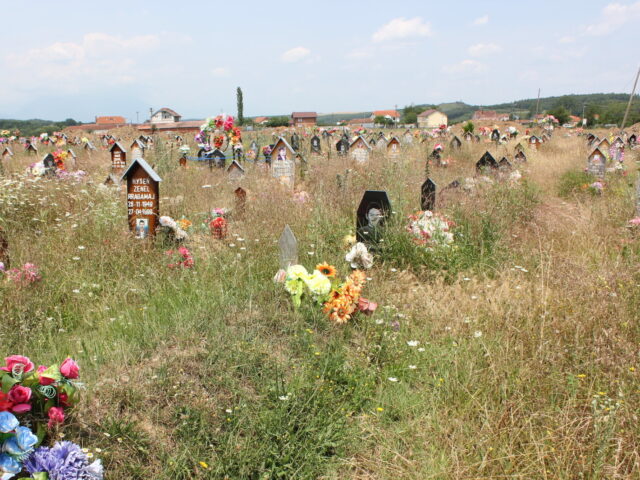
(359,257)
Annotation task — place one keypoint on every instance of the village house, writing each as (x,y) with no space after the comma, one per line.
(432,119)
(390,114)
(490,116)
(165,115)
(260,120)
(101,124)
(303,119)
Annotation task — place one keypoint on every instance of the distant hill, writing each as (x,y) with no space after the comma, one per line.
(36,126)
(609,106)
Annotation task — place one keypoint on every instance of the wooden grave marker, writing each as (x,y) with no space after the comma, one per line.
(7,153)
(486,161)
(596,163)
(288,248)
(137,149)
(504,164)
(371,216)
(118,158)
(393,147)
(217,158)
(235,170)
(360,150)
(455,143)
(428,195)
(241,199)
(520,156)
(143,198)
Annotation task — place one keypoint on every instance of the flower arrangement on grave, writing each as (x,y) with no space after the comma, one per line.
(359,256)
(217,223)
(220,128)
(340,301)
(180,259)
(59,158)
(634,223)
(431,229)
(175,229)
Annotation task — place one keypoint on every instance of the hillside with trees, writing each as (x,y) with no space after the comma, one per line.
(36,126)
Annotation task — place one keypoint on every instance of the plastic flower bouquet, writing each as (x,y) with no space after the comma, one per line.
(431,229)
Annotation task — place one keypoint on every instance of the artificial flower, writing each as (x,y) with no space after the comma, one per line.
(359,257)
(326,269)
(69,369)
(18,363)
(318,284)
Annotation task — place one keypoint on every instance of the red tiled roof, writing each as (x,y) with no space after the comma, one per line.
(426,113)
(111,119)
(304,115)
(384,113)
(260,119)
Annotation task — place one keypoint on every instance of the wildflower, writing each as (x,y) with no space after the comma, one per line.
(392,379)
(413,343)
(380,409)
(412,367)
(203,465)
(477,334)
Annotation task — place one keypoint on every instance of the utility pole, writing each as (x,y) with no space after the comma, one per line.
(584,120)
(633,91)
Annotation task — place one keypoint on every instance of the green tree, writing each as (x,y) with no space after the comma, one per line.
(281,121)
(380,120)
(240,106)
(561,114)
(590,113)
(468,127)
(411,112)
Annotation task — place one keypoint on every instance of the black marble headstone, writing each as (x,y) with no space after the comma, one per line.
(315,144)
(372,213)
(49,165)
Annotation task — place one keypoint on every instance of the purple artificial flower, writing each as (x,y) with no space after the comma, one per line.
(64,461)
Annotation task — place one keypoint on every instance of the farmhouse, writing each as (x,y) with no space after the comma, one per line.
(431,119)
(390,114)
(301,119)
(165,115)
(260,120)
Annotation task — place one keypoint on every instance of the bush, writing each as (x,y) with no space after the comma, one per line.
(573,182)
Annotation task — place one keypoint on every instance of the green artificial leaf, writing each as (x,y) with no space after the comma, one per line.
(40,433)
(52,372)
(7,382)
(40,476)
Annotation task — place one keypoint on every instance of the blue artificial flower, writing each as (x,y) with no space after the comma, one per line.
(9,464)
(8,422)
(21,444)
(64,461)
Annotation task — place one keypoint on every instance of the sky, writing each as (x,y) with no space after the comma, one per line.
(75,60)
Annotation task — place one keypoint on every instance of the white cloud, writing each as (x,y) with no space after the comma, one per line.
(614,16)
(220,72)
(295,54)
(481,20)
(99,59)
(567,39)
(465,66)
(402,28)
(484,49)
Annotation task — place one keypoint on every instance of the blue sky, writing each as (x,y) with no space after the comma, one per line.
(71,59)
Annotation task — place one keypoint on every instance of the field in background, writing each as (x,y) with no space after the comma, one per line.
(527,354)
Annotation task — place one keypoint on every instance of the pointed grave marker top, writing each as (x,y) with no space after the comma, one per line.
(288,248)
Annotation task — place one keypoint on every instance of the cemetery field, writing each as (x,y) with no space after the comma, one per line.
(512,353)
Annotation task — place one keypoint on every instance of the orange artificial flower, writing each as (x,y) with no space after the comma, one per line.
(326,269)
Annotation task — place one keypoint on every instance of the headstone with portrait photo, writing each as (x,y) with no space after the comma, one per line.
(143,198)
(596,163)
(316,146)
(372,213)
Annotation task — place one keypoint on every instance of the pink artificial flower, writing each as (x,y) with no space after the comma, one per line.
(20,397)
(228,123)
(18,360)
(69,369)
(635,221)
(56,415)
(63,399)
(42,379)
(367,307)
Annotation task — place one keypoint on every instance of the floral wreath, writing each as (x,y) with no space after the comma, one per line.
(222,127)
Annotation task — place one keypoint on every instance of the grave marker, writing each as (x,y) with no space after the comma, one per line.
(241,199)
(235,170)
(216,158)
(137,149)
(283,162)
(31,149)
(632,140)
(143,198)
(520,156)
(372,213)
(288,248)
(504,164)
(316,146)
(118,158)
(7,153)
(534,142)
(342,146)
(295,142)
(485,162)
(455,143)
(596,163)
(49,165)
(360,150)
(428,195)
(393,147)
